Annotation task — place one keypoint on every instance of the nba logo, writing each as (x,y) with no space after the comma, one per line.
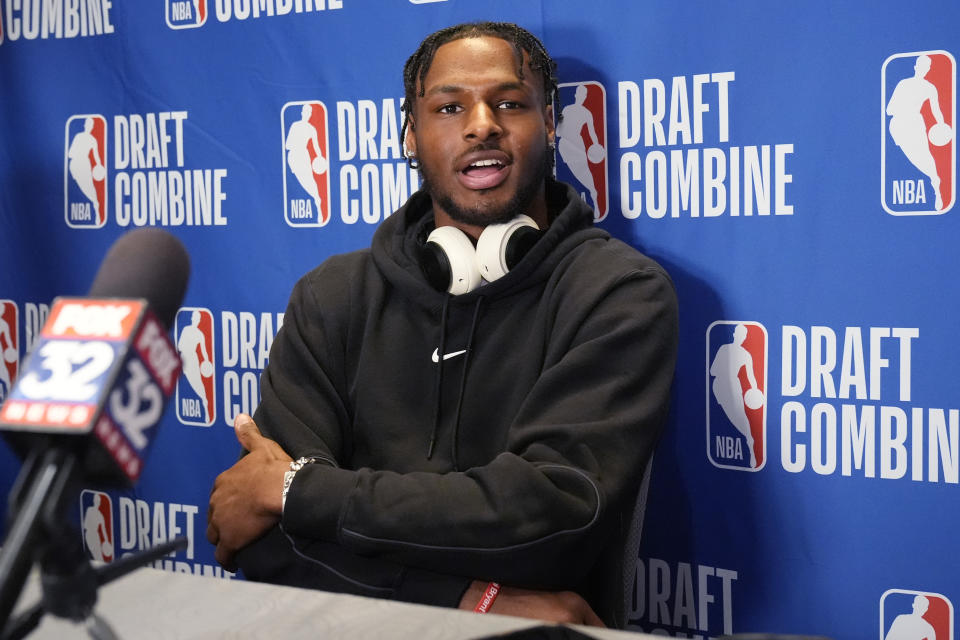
(85,173)
(905,615)
(96,520)
(196,392)
(737,395)
(918,149)
(186,14)
(582,142)
(9,346)
(306,160)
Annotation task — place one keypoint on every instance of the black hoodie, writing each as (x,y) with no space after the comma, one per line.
(512,458)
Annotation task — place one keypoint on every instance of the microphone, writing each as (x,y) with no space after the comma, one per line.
(104,364)
(87,404)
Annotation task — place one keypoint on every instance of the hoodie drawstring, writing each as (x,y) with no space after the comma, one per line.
(463,380)
(438,376)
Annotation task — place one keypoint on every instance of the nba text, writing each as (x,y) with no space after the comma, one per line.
(694,181)
(892,441)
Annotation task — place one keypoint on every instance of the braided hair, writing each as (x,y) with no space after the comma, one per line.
(416,68)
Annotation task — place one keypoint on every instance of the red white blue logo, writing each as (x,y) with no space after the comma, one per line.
(85,172)
(919,133)
(915,615)
(96,523)
(737,395)
(306,163)
(582,142)
(186,14)
(9,346)
(196,390)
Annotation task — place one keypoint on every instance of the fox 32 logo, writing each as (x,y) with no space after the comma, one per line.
(9,346)
(582,142)
(96,523)
(186,14)
(85,172)
(196,389)
(919,133)
(737,395)
(912,615)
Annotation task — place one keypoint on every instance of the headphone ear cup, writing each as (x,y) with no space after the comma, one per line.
(502,246)
(448,261)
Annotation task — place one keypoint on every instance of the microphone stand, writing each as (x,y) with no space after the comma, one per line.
(38,532)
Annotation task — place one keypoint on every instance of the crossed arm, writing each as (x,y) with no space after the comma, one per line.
(245,504)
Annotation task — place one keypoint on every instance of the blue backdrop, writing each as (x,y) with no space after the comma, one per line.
(781,160)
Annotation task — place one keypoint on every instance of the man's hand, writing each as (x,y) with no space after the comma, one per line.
(564,607)
(245,499)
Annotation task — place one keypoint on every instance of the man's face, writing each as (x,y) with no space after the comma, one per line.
(481,134)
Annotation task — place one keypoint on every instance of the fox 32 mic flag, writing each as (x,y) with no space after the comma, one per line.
(104,367)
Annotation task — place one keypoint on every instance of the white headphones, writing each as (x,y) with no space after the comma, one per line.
(450,262)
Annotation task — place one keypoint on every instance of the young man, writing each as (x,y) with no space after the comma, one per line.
(447,442)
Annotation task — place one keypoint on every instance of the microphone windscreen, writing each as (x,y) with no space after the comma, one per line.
(146,263)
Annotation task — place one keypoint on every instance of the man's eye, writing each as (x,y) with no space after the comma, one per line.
(448,108)
(509,104)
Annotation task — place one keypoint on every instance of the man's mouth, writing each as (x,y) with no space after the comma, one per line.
(483,173)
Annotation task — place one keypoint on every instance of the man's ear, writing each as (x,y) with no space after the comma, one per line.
(410,139)
(548,121)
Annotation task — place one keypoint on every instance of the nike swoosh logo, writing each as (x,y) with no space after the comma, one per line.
(436,355)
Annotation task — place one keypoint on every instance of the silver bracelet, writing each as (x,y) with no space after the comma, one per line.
(295,466)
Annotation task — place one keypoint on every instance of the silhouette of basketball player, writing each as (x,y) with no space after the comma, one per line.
(82,145)
(300,135)
(196,10)
(727,389)
(907,127)
(9,354)
(912,626)
(95,531)
(193,366)
(573,119)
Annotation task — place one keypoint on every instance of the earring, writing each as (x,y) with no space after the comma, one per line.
(411,157)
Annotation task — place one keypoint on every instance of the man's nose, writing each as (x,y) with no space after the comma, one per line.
(482,123)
